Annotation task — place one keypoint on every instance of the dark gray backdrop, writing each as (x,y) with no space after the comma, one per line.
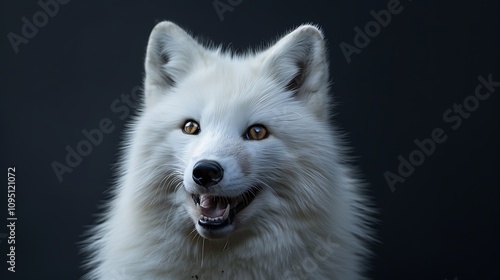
(77,65)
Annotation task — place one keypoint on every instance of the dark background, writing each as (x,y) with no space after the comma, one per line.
(442,222)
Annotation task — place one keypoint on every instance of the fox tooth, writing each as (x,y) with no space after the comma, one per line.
(198,208)
(226,212)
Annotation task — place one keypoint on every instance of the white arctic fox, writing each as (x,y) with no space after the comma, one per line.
(232,169)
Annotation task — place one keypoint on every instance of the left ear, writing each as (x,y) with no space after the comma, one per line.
(171,55)
(298,61)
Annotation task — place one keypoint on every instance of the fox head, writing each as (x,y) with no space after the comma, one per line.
(227,138)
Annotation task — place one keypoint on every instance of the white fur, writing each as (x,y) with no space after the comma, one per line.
(308,222)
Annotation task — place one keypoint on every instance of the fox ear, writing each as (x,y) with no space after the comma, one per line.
(298,61)
(170,55)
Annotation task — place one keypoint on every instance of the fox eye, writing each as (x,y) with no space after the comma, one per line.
(256,132)
(191,127)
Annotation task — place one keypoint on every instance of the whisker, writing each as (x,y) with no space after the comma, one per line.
(202,251)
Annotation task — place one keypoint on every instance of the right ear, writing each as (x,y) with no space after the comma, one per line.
(170,55)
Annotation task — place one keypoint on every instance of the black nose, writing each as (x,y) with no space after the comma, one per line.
(207,173)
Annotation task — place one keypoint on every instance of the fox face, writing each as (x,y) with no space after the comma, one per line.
(232,127)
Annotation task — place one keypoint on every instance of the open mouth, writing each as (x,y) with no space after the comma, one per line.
(219,211)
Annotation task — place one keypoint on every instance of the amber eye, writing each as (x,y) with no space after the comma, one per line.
(256,132)
(191,127)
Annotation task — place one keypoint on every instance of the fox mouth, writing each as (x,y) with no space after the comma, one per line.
(219,211)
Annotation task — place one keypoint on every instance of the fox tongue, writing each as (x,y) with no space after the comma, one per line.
(210,208)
